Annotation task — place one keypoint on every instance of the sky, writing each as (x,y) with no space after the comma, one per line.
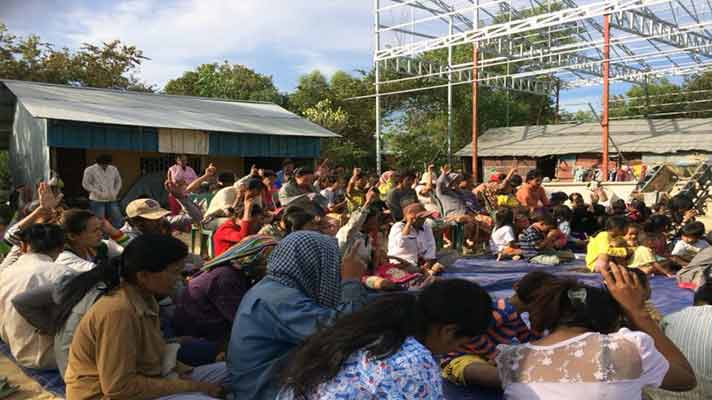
(280,38)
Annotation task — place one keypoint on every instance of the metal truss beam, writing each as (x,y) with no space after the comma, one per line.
(516,27)
(657,73)
(646,24)
(417,69)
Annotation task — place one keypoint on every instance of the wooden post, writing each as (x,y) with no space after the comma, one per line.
(604,117)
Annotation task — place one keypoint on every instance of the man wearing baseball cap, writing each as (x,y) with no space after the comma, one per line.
(412,239)
(146,216)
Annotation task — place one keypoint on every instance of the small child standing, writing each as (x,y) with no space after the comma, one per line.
(503,241)
(690,243)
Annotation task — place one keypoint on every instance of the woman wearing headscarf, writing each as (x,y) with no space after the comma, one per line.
(305,288)
(207,306)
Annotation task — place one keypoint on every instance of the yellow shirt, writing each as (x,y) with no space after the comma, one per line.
(504,200)
(599,245)
(643,256)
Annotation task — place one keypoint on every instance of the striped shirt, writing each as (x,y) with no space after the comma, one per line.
(507,328)
(691,330)
(528,240)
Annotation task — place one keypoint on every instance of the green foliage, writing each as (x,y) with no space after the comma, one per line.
(424,143)
(664,99)
(312,88)
(326,102)
(225,81)
(324,114)
(109,65)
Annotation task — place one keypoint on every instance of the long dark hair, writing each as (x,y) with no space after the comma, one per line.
(567,302)
(153,253)
(382,327)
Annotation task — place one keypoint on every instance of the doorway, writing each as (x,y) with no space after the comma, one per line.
(70,165)
(547,166)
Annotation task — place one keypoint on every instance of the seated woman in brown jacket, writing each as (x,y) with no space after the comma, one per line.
(118,351)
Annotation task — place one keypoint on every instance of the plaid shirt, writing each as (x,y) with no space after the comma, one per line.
(507,328)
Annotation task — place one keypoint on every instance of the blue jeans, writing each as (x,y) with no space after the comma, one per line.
(109,210)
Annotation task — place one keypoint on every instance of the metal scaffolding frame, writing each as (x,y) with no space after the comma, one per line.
(536,46)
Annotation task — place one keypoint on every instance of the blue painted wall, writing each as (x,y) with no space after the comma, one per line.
(247,145)
(76,135)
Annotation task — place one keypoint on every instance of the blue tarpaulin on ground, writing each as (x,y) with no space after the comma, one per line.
(497,277)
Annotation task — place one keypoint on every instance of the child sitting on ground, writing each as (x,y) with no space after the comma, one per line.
(474,365)
(656,231)
(563,216)
(643,257)
(541,236)
(691,242)
(599,248)
(503,241)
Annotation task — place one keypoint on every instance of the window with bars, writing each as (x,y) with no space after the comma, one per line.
(150,165)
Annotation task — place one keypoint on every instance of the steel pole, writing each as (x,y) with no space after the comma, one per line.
(449,96)
(476,25)
(377,45)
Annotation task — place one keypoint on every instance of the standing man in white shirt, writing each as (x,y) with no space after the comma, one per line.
(412,239)
(103,182)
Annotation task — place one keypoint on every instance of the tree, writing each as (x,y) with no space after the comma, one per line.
(109,65)
(312,88)
(225,81)
(324,114)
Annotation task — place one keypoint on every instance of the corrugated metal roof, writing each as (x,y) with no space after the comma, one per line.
(118,107)
(658,136)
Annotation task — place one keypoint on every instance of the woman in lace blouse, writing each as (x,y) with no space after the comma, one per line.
(586,355)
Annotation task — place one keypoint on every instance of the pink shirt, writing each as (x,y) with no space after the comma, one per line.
(176,173)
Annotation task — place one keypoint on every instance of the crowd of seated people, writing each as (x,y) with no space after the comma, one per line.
(283,305)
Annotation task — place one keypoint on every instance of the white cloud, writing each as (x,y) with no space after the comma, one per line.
(182,34)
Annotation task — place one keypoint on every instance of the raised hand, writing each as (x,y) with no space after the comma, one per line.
(351,265)
(47,199)
(175,189)
(371,195)
(625,287)
(211,170)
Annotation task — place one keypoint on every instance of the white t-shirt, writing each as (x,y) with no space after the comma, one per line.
(417,244)
(501,238)
(590,366)
(686,250)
